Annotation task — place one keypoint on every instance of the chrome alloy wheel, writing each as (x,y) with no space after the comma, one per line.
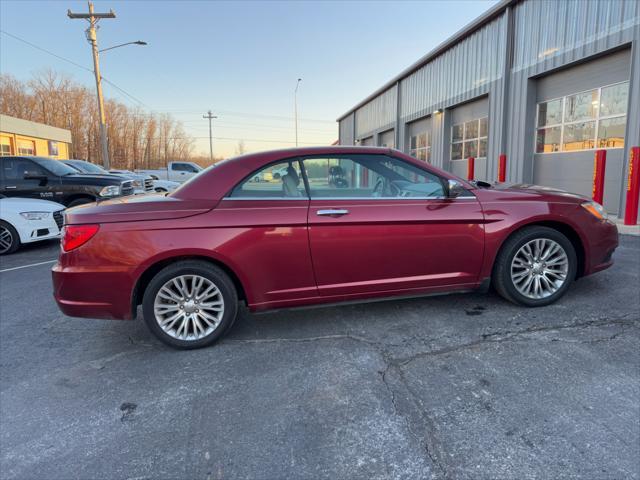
(6,239)
(539,268)
(188,307)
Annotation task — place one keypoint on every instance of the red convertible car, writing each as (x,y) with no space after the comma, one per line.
(315,226)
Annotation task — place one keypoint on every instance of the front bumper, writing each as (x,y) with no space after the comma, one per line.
(603,242)
(36,230)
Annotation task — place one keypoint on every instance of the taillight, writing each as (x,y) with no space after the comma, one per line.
(74,236)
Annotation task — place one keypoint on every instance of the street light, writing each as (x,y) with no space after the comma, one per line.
(137,42)
(295,107)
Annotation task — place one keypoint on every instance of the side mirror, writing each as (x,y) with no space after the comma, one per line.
(454,189)
(42,179)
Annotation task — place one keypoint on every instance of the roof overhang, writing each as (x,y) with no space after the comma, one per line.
(460,35)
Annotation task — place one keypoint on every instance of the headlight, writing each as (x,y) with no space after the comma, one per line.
(110,191)
(595,209)
(137,183)
(34,215)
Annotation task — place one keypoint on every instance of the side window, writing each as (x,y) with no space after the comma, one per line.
(180,167)
(16,168)
(369,176)
(278,180)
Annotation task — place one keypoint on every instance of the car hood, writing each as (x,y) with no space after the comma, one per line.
(526,191)
(137,208)
(16,204)
(89,178)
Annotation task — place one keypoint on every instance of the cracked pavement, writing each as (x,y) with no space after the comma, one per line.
(459,386)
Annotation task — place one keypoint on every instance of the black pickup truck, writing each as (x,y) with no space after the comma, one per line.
(40,177)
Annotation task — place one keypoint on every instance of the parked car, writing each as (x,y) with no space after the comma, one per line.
(141,183)
(400,227)
(27,220)
(175,171)
(165,185)
(48,179)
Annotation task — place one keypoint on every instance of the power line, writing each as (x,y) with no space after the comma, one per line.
(47,51)
(253,126)
(252,115)
(60,57)
(287,142)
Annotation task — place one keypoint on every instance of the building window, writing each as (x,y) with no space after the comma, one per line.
(53,148)
(583,121)
(420,146)
(469,139)
(26,147)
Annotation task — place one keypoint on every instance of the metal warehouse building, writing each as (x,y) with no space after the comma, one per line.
(544,82)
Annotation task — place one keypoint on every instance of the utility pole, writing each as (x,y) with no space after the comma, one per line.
(93,19)
(210,116)
(295,107)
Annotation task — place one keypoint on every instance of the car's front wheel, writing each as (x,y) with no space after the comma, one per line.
(190,304)
(535,266)
(9,239)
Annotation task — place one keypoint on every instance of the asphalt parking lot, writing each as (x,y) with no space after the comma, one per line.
(464,386)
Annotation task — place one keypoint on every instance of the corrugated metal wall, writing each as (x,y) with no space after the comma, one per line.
(461,73)
(544,35)
(379,113)
(346,131)
(550,33)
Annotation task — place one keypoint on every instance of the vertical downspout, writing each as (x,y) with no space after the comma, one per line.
(631,138)
(398,114)
(506,79)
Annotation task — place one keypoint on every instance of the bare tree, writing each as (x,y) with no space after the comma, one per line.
(136,138)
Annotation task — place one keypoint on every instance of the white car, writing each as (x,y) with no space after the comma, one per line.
(165,185)
(26,220)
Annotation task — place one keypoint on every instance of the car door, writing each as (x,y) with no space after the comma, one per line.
(380,224)
(17,182)
(270,244)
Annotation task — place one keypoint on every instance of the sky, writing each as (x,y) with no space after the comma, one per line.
(239,59)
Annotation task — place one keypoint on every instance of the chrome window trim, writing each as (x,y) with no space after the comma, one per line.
(349,198)
(305,198)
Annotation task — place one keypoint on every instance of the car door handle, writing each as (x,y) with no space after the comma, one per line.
(10,187)
(332,212)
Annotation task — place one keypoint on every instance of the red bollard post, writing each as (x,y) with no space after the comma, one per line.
(633,187)
(470,168)
(599,167)
(502,168)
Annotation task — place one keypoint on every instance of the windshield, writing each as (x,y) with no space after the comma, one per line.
(54,166)
(87,167)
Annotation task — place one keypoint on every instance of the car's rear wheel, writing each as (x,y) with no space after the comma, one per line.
(9,239)
(190,304)
(535,267)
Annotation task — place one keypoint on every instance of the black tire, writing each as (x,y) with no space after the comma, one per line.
(79,201)
(161,190)
(7,229)
(191,267)
(502,280)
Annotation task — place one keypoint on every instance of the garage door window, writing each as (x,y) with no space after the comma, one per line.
(420,146)
(469,139)
(583,121)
